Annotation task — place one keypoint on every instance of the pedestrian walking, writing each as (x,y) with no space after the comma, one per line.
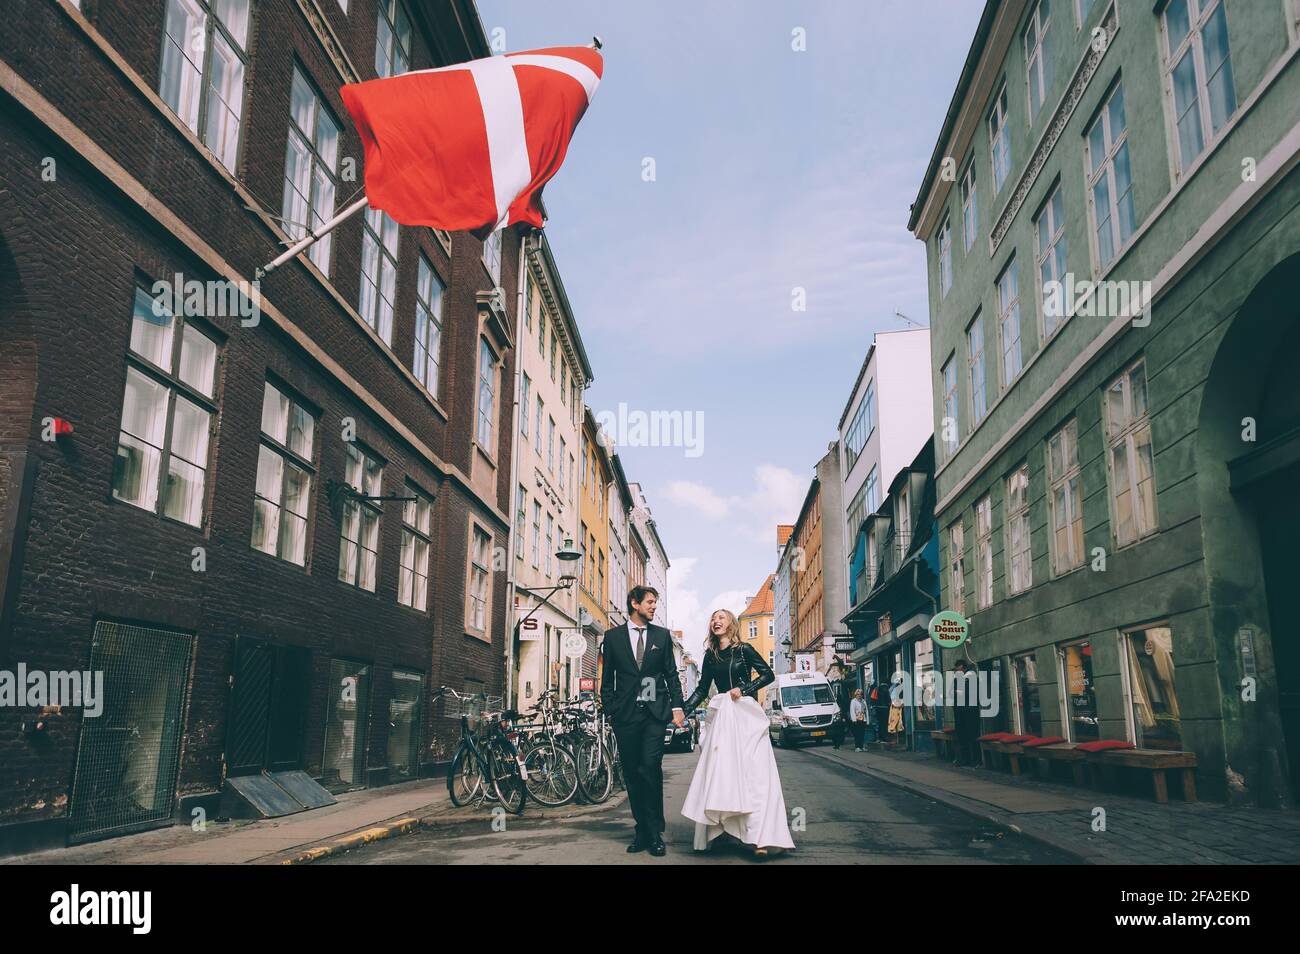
(967,715)
(858,720)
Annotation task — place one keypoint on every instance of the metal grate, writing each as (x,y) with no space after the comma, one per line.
(125,776)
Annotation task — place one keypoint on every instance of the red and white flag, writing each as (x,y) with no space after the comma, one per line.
(470,146)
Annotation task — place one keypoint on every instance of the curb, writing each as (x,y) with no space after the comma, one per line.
(979,810)
(406,824)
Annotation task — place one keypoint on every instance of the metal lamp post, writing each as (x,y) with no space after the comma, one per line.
(567,553)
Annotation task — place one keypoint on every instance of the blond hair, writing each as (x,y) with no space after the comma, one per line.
(714,643)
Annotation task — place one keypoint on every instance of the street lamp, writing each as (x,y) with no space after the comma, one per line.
(567,553)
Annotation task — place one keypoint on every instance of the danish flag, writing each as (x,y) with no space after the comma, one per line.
(469,146)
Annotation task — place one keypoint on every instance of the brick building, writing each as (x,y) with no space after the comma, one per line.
(193,536)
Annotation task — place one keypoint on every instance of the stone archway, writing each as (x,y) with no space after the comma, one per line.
(1248,466)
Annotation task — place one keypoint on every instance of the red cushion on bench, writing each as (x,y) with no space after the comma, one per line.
(1045,740)
(1017,738)
(994,737)
(1101,745)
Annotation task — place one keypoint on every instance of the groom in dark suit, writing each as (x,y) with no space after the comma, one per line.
(640,693)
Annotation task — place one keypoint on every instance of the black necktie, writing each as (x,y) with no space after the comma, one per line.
(640,645)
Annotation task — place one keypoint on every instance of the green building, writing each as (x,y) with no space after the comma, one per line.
(1112,222)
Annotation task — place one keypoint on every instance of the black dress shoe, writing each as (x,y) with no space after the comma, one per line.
(636,846)
(658,849)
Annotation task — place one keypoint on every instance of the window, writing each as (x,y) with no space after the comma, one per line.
(492,255)
(1038,58)
(480,578)
(564,382)
(521,519)
(550,542)
(541,333)
(550,444)
(1080,697)
(1198,73)
(563,455)
(392,39)
(1157,722)
(1065,498)
(487,396)
(1110,182)
(1049,231)
(378,272)
(359,539)
(1132,464)
(526,390)
(957,567)
(975,370)
(1020,560)
(950,428)
(969,209)
(310,169)
(404,724)
(864,422)
(1029,709)
(428,328)
(554,351)
(202,72)
(413,566)
(167,414)
(537,534)
(1082,8)
(984,553)
(537,425)
(873,490)
(1000,140)
(753,629)
(284,473)
(528,300)
(945,257)
(1009,323)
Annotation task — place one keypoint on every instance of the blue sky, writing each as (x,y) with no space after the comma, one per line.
(775,169)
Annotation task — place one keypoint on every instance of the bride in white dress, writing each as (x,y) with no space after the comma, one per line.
(736,788)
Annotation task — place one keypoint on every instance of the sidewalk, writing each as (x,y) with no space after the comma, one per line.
(1137,831)
(357,818)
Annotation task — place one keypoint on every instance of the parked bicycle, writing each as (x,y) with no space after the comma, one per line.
(548,753)
(487,765)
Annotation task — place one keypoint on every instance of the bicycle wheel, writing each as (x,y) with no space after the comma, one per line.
(616,764)
(505,777)
(552,773)
(595,773)
(464,778)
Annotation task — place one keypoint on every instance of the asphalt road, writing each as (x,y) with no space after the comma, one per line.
(851,818)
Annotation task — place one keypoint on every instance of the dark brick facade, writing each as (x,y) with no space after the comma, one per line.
(72,252)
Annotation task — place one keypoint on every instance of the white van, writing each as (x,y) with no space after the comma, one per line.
(801,708)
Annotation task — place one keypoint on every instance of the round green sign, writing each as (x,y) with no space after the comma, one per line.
(949,629)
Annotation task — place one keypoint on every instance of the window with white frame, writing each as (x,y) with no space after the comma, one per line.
(555,351)
(204,56)
(284,473)
(1038,58)
(753,629)
(1065,495)
(950,430)
(1131,457)
(1110,179)
(1009,323)
(1049,232)
(428,326)
(487,396)
(537,425)
(550,444)
(864,422)
(1198,73)
(492,255)
(392,39)
(957,567)
(563,456)
(168,409)
(310,168)
(537,534)
(999,140)
(984,553)
(541,331)
(480,580)
(873,490)
(521,519)
(378,272)
(359,534)
(549,555)
(945,257)
(525,402)
(417,541)
(1020,563)
(969,207)
(975,370)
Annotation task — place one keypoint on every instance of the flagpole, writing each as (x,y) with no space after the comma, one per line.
(313,236)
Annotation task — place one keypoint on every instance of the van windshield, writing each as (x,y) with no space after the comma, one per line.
(805,695)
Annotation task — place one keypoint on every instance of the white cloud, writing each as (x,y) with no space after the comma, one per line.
(690,493)
(688,612)
(775,497)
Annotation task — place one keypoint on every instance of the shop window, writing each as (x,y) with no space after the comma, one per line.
(1029,709)
(1156,719)
(344,763)
(404,724)
(1080,692)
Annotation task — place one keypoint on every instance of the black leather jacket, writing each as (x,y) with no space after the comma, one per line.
(734,666)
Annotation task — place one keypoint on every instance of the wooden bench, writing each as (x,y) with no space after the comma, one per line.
(994,751)
(1064,752)
(1155,761)
(945,744)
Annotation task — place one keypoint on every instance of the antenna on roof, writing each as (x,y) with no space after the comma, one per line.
(914,324)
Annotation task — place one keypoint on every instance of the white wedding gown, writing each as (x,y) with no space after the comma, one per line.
(736,788)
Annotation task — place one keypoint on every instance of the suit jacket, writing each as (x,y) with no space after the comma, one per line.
(653,687)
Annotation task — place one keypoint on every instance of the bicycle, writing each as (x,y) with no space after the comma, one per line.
(599,768)
(552,766)
(486,763)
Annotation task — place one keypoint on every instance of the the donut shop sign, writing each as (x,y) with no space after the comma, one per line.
(949,629)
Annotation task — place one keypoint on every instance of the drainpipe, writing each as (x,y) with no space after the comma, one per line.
(511,629)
